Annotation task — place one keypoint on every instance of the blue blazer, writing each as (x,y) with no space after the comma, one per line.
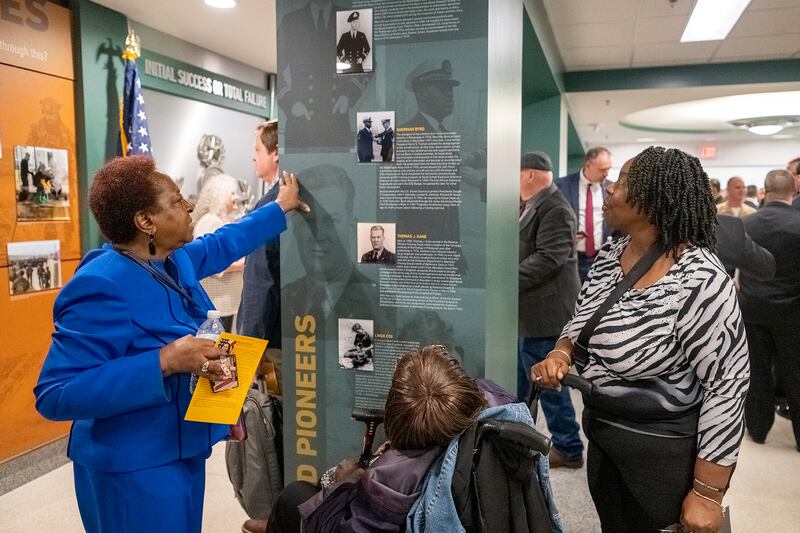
(103,369)
(568,185)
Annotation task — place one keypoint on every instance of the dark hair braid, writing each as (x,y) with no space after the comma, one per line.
(671,188)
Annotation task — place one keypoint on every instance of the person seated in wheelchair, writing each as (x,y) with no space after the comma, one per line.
(431,401)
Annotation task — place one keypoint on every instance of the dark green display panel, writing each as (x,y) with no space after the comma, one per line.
(433,196)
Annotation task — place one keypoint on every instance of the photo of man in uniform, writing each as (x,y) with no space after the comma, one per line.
(432,84)
(353,48)
(386,140)
(379,254)
(364,146)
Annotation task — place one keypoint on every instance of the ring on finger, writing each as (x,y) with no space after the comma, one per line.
(537,379)
(204,368)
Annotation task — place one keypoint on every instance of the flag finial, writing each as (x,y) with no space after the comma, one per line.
(133,47)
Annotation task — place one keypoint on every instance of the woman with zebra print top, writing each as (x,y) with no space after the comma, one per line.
(669,359)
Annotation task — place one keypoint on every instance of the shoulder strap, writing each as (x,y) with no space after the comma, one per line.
(580,351)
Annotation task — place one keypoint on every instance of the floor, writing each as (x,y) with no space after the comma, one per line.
(764,494)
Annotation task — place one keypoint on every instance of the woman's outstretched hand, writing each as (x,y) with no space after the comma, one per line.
(289,194)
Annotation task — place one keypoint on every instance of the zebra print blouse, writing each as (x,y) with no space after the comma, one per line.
(674,347)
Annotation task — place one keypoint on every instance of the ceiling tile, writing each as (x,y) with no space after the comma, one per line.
(600,66)
(647,53)
(594,56)
(618,32)
(664,8)
(768,22)
(771,4)
(660,29)
(765,45)
(590,11)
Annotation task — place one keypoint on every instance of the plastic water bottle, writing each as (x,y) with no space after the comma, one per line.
(211,329)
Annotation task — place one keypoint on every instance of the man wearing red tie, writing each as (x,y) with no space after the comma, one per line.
(585,191)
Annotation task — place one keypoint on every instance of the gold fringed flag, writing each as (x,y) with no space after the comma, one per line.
(133,133)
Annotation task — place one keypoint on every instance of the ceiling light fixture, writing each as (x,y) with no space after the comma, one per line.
(765,125)
(710,21)
(221,4)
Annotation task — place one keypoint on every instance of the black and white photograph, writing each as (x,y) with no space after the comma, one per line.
(375,137)
(355,344)
(42,183)
(33,266)
(377,243)
(354,41)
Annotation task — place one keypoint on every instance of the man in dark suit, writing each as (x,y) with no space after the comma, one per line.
(585,191)
(794,168)
(260,309)
(386,140)
(365,140)
(353,47)
(736,249)
(771,308)
(548,288)
(378,254)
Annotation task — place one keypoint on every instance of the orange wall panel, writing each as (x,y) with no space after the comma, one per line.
(36,110)
(25,335)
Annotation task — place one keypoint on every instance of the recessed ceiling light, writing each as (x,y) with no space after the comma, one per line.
(765,130)
(765,125)
(221,4)
(712,20)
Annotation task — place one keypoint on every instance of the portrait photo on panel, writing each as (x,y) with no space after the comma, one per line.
(377,243)
(33,266)
(354,41)
(355,344)
(375,137)
(42,183)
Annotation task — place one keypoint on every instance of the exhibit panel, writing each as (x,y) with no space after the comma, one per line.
(384,117)
(39,206)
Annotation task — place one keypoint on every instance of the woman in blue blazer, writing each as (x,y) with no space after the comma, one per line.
(124,349)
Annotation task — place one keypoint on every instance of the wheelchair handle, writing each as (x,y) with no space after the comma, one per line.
(586,387)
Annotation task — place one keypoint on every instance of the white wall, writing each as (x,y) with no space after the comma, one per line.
(176,125)
(749,159)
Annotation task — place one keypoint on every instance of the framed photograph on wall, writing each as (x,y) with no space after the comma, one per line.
(377,243)
(354,41)
(42,183)
(34,266)
(356,350)
(375,136)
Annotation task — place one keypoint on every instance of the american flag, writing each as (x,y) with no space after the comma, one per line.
(134,135)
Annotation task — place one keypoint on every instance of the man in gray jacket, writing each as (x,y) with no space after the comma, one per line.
(548,288)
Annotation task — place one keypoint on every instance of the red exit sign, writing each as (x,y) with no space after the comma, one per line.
(708,152)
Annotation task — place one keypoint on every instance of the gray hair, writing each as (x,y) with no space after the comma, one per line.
(594,153)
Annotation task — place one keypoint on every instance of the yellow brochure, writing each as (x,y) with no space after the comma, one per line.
(225,405)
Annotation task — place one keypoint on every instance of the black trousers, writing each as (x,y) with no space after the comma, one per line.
(637,482)
(284,517)
(777,345)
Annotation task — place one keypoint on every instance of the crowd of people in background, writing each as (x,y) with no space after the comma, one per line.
(30,275)
(699,345)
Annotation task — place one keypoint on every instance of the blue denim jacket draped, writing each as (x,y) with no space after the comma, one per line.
(435,511)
